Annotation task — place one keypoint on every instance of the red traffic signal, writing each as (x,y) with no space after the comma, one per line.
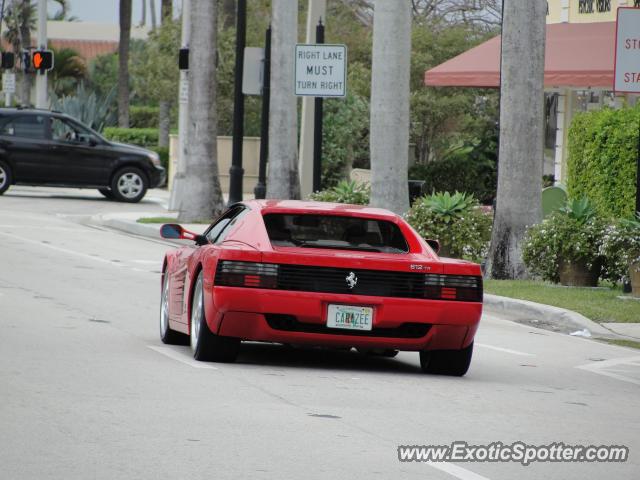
(42,60)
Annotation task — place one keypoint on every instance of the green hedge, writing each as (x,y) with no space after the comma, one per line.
(144,137)
(603,147)
(144,117)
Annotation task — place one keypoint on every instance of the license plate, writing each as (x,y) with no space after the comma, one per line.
(350,317)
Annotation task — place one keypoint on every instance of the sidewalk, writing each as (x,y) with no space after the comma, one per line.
(521,311)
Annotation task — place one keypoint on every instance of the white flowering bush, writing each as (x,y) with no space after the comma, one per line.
(456,221)
(572,234)
(621,247)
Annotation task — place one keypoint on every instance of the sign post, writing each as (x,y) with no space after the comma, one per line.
(627,65)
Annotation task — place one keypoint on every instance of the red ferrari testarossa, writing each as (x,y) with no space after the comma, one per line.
(319,274)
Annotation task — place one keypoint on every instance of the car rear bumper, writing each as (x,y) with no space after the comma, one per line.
(300,318)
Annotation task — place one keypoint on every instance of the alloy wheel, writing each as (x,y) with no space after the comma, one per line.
(130,185)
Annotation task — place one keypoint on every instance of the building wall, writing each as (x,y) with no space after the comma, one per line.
(585,11)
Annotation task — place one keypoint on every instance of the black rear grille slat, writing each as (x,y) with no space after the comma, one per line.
(289,323)
(375,283)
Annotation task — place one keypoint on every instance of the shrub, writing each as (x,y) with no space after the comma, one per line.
(461,171)
(93,110)
(345,192)
(603,147)
(144,137)
(456,221)
(621,247)
(572,234)
(144,117)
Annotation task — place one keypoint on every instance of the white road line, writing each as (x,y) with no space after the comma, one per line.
(456,471)
(180,357)
(505,350)
(72,252)
(600,368)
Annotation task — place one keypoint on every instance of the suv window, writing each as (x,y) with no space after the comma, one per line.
(63,130)
(335,232)
(26,126)
(219,228)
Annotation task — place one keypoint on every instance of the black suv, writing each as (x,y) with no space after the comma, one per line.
(39,147)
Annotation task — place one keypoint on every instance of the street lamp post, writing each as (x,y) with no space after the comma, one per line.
(260,190)
(236,171)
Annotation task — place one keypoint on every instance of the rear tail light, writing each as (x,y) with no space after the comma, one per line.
(247,274)
(465,288)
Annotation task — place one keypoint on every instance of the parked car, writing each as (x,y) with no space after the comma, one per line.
(318,274)
(39,147)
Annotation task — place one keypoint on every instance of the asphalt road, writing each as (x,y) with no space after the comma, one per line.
(88,391)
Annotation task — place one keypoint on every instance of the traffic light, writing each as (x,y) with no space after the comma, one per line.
(8,60)
(42,60)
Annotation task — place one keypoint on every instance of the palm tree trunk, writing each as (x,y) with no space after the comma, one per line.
(143,20)
(152,11)
(123,70)
(390,105)
(164,123)
(521,152)
(203,199)
(283,181)
(166,10)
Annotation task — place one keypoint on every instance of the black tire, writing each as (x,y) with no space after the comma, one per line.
(106,193)
(129,185)
(447,362)
(168,336)
(6,178)
(206,345)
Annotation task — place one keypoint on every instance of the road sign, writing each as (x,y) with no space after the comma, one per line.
(321,70)
(9,82)
(627,69)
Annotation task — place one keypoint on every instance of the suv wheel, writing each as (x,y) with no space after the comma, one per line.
(5,177)
(129,185)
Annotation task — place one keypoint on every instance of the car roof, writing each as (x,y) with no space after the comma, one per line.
(28,111)
(300,206)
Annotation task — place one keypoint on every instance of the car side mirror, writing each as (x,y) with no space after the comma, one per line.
(92,142)
(434,244)
(173,231)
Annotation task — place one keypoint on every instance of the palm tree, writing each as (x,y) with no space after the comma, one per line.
(283,181)
(521,136)
(68,70)
(123,59)
(203,198)
(390,105)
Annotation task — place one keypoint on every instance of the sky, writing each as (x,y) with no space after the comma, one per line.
(106,11)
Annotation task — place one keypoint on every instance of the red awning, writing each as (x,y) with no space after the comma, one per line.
(577,55)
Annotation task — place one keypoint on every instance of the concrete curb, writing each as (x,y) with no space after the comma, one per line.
(127,224)
(544,316)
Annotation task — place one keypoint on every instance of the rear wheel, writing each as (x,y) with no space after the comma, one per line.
(447,362)
(206,345)
(106,193)
(5,177)
(168,336)
(129,185)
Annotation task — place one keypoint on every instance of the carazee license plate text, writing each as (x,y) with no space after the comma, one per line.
(350,317)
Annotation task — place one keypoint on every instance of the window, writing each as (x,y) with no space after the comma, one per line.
(219,230)
(336,232)
(33,127)
(65,131)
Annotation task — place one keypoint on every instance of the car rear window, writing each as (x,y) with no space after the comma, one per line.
(334,232)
